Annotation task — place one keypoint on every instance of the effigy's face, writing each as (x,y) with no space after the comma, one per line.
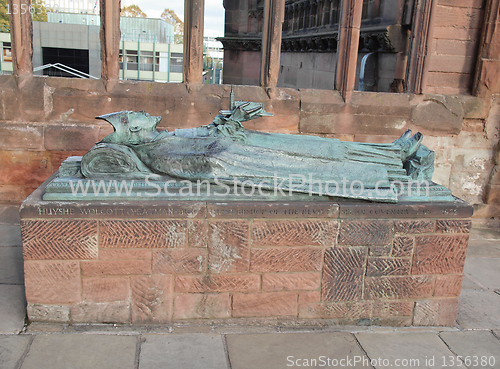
(131,127)
(142,121)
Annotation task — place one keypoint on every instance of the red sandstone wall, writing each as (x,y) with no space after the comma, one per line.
(44,120)
(454,46)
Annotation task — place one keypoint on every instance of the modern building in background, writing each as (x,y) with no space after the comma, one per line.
(148,50)
(213,60)
(6,54)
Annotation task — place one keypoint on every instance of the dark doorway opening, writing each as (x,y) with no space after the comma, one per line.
(74,58)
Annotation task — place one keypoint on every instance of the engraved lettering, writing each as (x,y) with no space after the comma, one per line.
(449,211)
(55,211)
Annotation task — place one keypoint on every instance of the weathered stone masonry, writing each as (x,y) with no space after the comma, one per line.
(44,120)
(189,262)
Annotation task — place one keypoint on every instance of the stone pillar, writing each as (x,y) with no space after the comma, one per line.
(110,39)
(347,46)
(193,41)
(487,76)
(274,13)
(422,25)
(21,32)
(487,86)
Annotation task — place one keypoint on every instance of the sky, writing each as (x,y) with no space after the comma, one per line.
(214,12)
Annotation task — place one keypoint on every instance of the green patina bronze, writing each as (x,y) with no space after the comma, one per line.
(224,154)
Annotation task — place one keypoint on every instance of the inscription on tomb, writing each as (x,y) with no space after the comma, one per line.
(110,211)
(200,210)
(266,210)
(458,209)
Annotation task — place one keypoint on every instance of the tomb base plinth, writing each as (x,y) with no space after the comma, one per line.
(244,263)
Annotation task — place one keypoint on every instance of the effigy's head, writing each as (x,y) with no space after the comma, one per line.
(131,127)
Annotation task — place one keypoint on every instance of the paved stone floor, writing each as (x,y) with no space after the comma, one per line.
(473,343)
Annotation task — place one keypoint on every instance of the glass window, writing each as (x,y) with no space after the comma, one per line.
(7,52)
(176,62)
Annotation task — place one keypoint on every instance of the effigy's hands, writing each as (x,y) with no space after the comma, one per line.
(248,110)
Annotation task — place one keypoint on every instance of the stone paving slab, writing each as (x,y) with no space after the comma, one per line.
(469,284)
(480,347)
(9,214)
(479,309)
(37,327)
(478,233)
(486,271)
(422,350)
(177,351)
(11,265)
(81,351)
(483,248)
(10,235)
(12,348)
(282,350)
(12,308)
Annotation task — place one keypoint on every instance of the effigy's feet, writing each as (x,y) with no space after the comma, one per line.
(409,144)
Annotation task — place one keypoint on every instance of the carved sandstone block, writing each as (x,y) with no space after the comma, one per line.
(290,281)
(265,304)
(98,312)
(441,312)
(115,267)
(105,289)
(217,283)
(142,233)
(387,309)
(365,232)
(171,261)
(379,251)
(332,310)
(59,239)
(404,287)
(197,233)
(151,298)
(343,272)
(48,313)
(387,266)
(309,297)
(228,246)
(124,254)
(294,233)
(439,254)
(402,246)
(293,259)
(52,282)
(448,285)
(202,306)
(453,226)
(414,226)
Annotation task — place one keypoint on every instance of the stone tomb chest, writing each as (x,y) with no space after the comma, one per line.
(153,256)
(277,263)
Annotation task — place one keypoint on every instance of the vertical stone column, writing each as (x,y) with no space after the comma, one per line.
(110,39)
(21,32)
(487,76)
(274,13)
(420,42)
(193,41)
(487,85)
(347,46)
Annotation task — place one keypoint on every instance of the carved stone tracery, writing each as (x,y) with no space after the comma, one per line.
(370,40)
